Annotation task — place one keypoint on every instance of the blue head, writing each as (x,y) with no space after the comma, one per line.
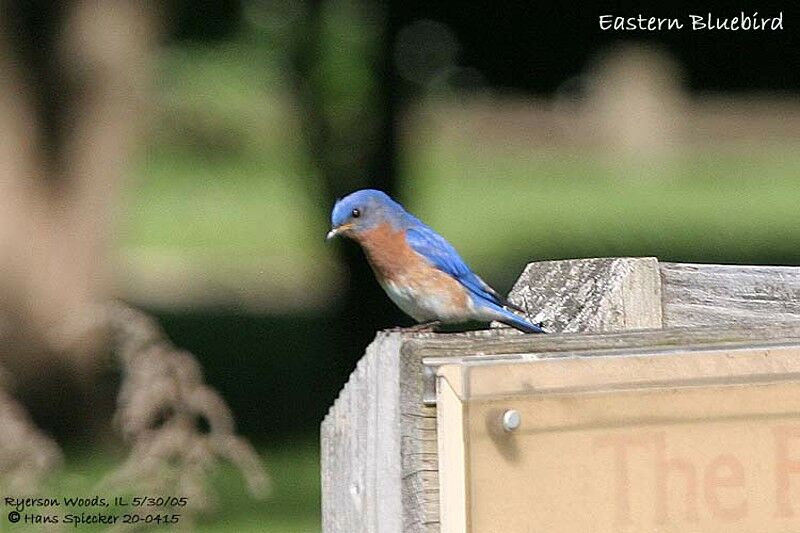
(364,210)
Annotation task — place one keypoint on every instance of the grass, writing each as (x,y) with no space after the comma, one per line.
(294,506)
(701,206)
(500,211)
(249,212)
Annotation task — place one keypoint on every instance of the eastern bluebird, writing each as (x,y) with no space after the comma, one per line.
(419,270)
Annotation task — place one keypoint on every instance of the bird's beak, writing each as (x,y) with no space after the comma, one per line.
(337,230)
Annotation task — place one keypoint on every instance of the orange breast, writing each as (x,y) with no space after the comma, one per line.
(430,294)
(388,251)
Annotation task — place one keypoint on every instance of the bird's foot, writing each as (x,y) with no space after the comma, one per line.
(424,327)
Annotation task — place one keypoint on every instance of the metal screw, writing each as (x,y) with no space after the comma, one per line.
(511,420)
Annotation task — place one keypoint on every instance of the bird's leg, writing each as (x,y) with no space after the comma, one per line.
(425,327)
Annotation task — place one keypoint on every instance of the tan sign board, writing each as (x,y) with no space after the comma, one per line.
(705,441)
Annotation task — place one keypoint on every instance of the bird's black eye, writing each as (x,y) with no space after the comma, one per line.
(356,213)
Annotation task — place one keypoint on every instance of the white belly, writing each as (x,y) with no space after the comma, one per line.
(424,306)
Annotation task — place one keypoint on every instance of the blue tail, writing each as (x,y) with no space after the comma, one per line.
(515,321)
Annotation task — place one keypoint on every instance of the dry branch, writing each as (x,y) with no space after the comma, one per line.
(178,426)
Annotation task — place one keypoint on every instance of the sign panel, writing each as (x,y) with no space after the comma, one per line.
(704,441)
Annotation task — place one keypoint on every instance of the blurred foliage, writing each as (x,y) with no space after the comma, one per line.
(203,20)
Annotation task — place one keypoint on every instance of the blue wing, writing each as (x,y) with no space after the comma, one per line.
(443,256)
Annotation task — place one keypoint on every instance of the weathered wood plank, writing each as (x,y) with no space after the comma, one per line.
(378,447)
(501,344)
(604,294)
(360,446)
(704,295)
(418,449)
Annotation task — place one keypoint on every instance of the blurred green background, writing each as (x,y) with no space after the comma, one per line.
(521,133)
(226,211)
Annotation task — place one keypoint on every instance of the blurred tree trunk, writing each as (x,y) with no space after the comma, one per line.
(71,92)
(353,149)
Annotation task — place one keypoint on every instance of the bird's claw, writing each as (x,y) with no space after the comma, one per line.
(424,327)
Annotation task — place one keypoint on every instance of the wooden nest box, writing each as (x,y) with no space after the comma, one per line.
(668,400)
